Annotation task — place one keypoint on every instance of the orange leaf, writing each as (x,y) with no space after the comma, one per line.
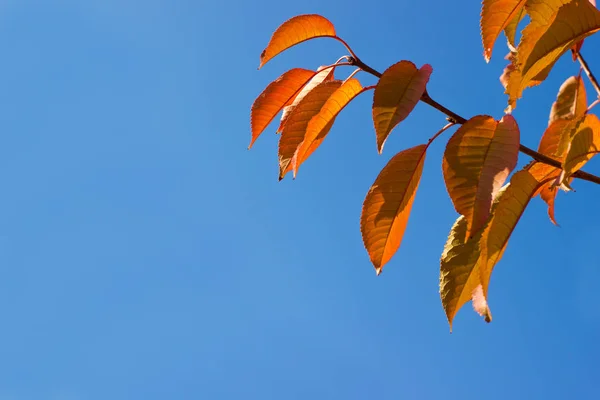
(495,16)
(507,210)
(295,129)
(577,48)
(556,25)
(467,264)
(542,172)
(268,104)
(584,145)
(397,93)
(320,124)
(549,146)
(511,29)
(548,194)
(296,30)
(571,101)
(324,74)
(387,206)
(478,159)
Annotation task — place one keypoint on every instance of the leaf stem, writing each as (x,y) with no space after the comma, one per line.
(342,41)
(595,103)
(589,73)
(457,119)
(448,125)
(356,71)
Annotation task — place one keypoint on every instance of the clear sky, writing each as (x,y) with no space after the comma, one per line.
(145,253)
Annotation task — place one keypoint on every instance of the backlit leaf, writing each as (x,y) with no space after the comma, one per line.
(511,29)
(556,25)
(495,16)
(324,74)
(320,124)
(569,130)
(459,269)
(396,95)
(548,194)
(388,203)
(584,145)
(477,160)
(549,146)
(295,129)
(571,101)
(577,47)
(277,94)
(507,210)
(296,30)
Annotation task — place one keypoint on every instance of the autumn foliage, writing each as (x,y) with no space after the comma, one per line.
(480,155)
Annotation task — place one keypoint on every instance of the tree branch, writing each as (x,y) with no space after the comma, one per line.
(589,73)
(453,117)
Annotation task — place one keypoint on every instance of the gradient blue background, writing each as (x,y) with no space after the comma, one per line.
(146,254)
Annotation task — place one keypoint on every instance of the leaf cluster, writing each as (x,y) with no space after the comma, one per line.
(479,156)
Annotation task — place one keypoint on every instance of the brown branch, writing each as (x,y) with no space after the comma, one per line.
(453,117)
(589,73)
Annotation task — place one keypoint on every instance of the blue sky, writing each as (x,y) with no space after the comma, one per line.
(146,254)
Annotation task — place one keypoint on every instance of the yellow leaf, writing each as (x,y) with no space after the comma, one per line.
(276,95)
(388,204)
(320,124)
(511,29)
(571,101)
(569,131)
(324,74)
(459,269)
(478,159)
(507,210)
(556,25)
(584,145)
(396,95)
(295,129)
(296,30)
(495,16)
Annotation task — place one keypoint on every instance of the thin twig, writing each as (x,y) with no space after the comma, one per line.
(589,73)
(461,120)
(595,103)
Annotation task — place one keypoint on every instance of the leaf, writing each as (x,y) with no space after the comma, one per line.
(295,129)
(549,146)
(496,15)
(551,137)
(556,25)
(467,265)
(324,74)
(548,194)
(388,203)
(270,102)
(569,129)
(477,160)
(459,269)
(571,101)
(584,145)
(320,124)
(294,31)
(577,47)
(511,28)
(397,93)
(507,210)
